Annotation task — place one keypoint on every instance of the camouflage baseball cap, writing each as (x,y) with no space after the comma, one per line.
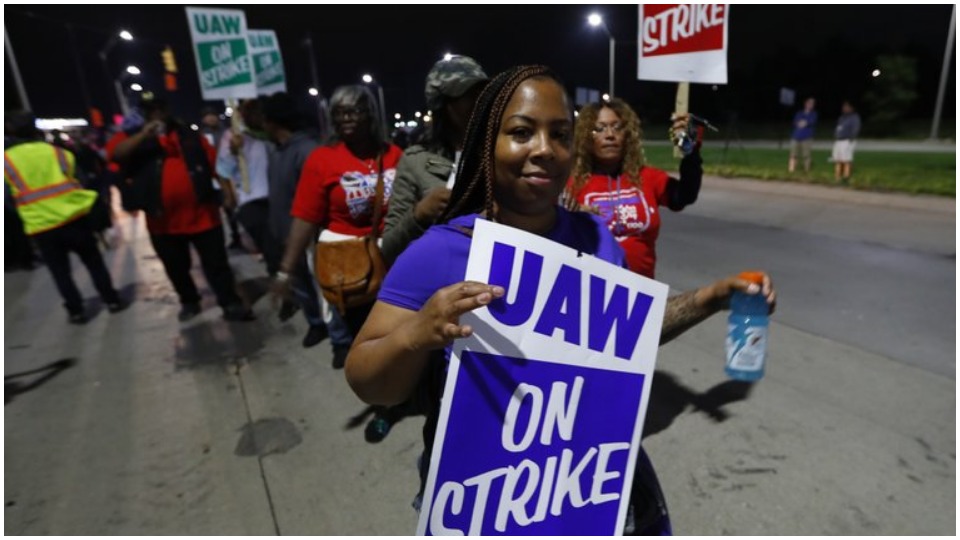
(452,78)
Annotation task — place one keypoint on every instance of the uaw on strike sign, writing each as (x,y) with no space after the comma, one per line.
(683,43)
(223,55)
(543,406)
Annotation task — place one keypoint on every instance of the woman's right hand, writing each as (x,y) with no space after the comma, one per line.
(437,323)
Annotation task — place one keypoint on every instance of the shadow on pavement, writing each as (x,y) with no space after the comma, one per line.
(669,399)
(12,387)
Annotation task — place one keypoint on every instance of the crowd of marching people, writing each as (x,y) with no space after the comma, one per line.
(290,192)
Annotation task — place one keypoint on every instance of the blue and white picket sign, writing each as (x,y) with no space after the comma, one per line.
(543,406)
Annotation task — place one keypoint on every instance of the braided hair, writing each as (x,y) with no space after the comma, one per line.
(633,158)
(473,189)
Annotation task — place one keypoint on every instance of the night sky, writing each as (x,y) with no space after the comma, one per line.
(825,51)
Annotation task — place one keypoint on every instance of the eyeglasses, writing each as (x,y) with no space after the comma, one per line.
(344,112)
(600,129)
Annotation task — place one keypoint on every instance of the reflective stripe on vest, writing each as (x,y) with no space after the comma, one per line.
(28,197)
(45,194)
(14,174)
(62,158)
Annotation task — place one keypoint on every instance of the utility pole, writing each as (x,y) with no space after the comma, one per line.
(947,56)
(315,78)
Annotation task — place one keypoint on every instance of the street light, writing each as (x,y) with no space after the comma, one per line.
(133,70)
(313,92)
(136,87)
(368,79)
(125,36)
(596,20)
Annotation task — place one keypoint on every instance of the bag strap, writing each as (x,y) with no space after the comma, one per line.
(378,201)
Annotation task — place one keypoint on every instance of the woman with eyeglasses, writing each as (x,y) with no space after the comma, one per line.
(610,178)
(337,190)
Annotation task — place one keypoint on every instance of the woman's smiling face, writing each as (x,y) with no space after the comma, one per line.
(533,154)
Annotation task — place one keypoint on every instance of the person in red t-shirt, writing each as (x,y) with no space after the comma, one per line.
(337,186)
(170,173)
(611,179)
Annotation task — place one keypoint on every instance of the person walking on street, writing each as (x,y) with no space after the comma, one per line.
(337,188)
(212,129)
(294,144)
(848,129)
(801,140)
(517,159)
(611,178)
(424,176)
(252,210)
(54,209)
(426,170)
(170,168)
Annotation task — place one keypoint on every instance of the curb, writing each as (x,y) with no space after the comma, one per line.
(926,203)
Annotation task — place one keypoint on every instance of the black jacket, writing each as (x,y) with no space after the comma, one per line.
(142,187)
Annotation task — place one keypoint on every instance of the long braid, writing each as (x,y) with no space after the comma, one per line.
(476,167)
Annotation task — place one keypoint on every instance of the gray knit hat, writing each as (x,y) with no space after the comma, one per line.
(452,78)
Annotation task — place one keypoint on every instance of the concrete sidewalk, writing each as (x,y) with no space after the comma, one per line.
(136,424)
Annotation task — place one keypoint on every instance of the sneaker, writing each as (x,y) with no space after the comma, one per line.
(315,335)
(77,318)
(288,309)
(238,312)
(118,306)
(377,429)
(340,356)
(189,311)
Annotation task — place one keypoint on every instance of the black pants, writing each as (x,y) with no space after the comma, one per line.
(174,252)
(17,250)
(55,246)
(255,218)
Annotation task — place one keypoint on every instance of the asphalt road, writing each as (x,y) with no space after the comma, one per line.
(137,424)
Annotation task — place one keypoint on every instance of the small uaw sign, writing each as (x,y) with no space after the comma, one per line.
(267,61)
(543,407)
(683,43)
(223,60)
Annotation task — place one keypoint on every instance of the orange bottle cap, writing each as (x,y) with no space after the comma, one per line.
(753,276)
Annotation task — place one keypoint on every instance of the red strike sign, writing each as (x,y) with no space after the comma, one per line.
(682,28)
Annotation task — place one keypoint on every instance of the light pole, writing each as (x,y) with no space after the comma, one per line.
(596,20)
(368,79)
(934,131)
(126,36)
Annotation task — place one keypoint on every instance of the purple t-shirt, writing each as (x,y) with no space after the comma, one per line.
(439,257)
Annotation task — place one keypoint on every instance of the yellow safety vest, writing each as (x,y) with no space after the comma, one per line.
(41,181)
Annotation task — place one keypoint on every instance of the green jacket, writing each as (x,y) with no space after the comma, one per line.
(418,171)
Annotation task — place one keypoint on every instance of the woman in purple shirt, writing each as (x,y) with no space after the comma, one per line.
(517,158)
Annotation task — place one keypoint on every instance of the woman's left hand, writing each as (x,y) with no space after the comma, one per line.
(681,123)
(718,294)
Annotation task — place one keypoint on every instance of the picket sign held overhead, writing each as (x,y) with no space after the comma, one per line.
(543,407)
(268,69)
(683,43)
(224,68)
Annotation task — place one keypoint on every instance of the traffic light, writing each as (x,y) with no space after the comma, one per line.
(170,82)
(169,62)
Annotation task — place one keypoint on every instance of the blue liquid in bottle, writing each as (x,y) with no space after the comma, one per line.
(747,336)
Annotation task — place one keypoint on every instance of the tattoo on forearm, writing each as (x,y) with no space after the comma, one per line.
(682,313)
